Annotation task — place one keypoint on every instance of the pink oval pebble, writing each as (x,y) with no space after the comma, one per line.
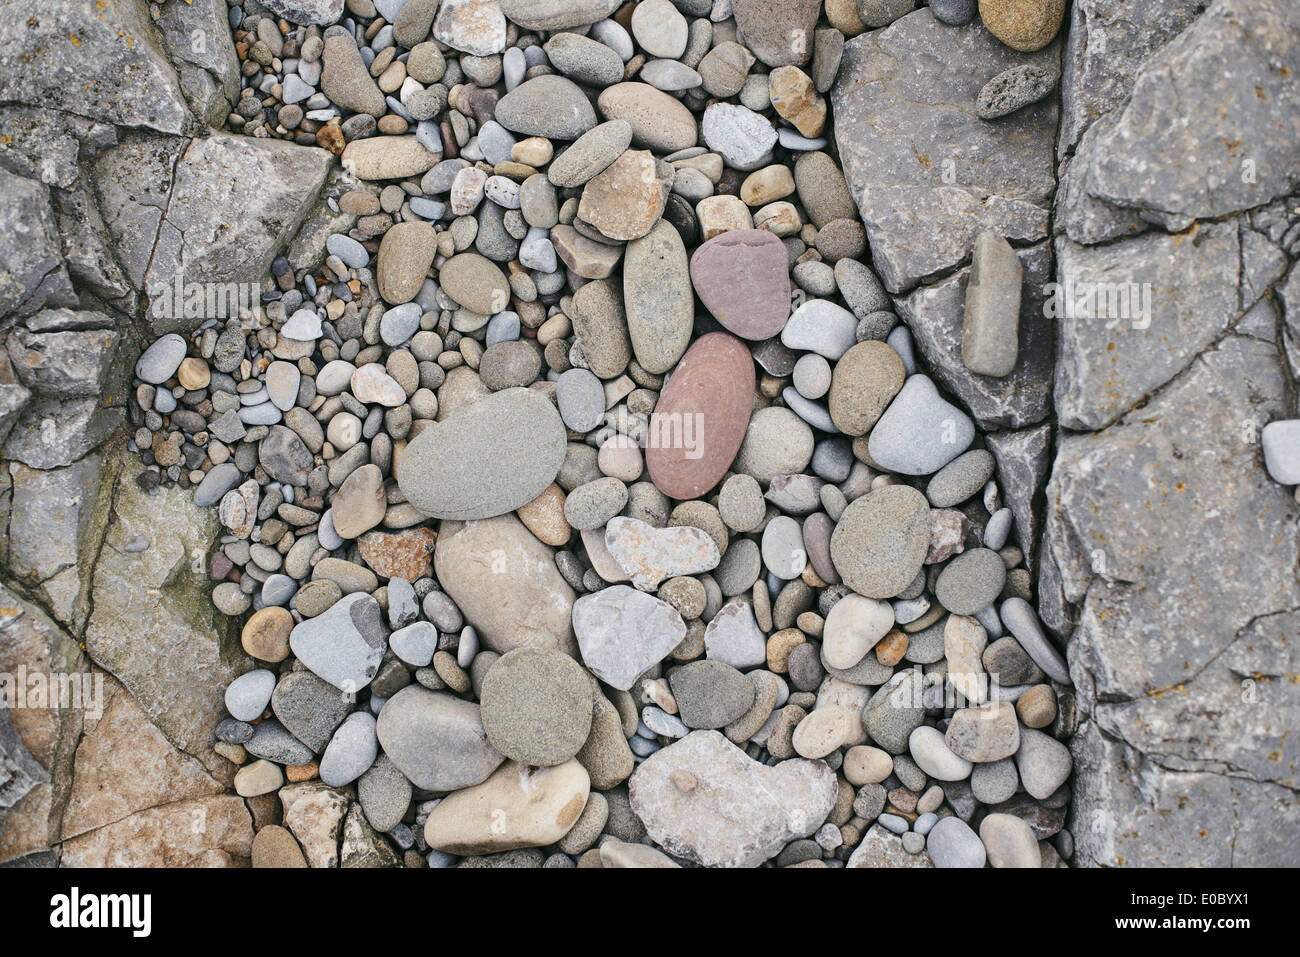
(743,278)
(700,420)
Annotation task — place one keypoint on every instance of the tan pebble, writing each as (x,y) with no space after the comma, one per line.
(824,730)
(891,648)
(720,214)
(534,151)
(864,764)
(544,517)
(297,773)
(275,847)
(1037,706)
(260,777)
(194,373)
(779,647)
(266,634)
(767,185)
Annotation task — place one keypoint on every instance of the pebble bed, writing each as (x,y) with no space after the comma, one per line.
(589,506)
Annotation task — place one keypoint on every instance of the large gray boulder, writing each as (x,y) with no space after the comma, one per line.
(926,172)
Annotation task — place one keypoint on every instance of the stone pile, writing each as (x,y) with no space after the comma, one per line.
(589,475)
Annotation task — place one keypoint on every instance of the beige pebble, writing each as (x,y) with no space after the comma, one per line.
(824,730)
(864,764)
(194,373)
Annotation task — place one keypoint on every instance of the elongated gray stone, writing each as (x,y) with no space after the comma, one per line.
(991,325)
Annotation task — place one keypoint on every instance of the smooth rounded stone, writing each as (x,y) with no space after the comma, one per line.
(822,327)
(278,590)
(960,479)
(1036,707)
(547,105)
(350,752)
(334,377)
(704,800)
(309,708)
(649,555)
(822,189)
(387,157)
(710,693)
(265,635)
(659,122)
(372,384)
(160,361)
(476,27)
(1021,620)
(353,254)
(865,381)
(895,711)
(284,456)
(740,503)
(700,421)
(777,442)
(952,843)
(742,277)
(881,13)
(998,529)
(512,364)
(811,412)
(249,694)
(657,299)
(590,154)
(880,543)
(822,732)
(384,794)
(622,632)
(600,329)
(783,549)
(659,28)
(995,781)
(399,324)
(1280,441)
(271,742)
(556,14)
(592,504)
(812,376)
(435,739)
(219,480)
(475,282)
(660,722)
(920,432)
(489,458)
(1008,841)
(956,13)
(536,706)
(584,59)
(932,755)
(740,568)
(1024,25)
(670,76)
(985,733)
(853,628)
(517,806)
(282,381)
(581,400)
(725,68)
(1043,762)
(970,582)
(524,601)
(864,764)
(415,644)
(742,137)
(344,645)
(733,637)
(861,290)
(345,78)
(360,503)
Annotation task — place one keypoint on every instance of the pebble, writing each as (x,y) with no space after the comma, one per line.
(622,632)
(659,307)
(590,154)
(701,418)
(1021,620)
(160,361)
(249,694)
(935,758)
(344,645)
(1013,89)
(415,644)
(952,843)
(743,138)
(497,454)
(659,122)
(742,277)
(880,543)
(1281,443)
(536,706)
(1008,841)
(822,327)
(1043,762)
(710,693)
(1024,25)
(865,380)
(350,752)
(733,636)
(437,741)
(853,628)
(651,555)
(549,106)
(970,582)
(920,432)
